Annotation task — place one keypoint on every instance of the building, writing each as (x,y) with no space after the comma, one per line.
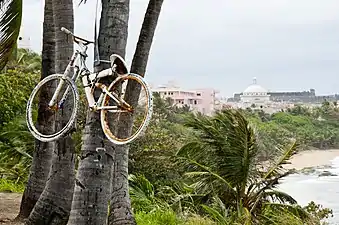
(199,100)
(257,94)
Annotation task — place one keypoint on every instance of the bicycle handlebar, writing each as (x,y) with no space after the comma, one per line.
(66,31)
(75,38)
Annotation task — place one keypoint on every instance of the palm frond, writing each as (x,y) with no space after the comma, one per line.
(140,186)
(143,195)
(10,22)
(282,160)
(241,150)
(190,149)
(264,186)
(280,196)
(210,173)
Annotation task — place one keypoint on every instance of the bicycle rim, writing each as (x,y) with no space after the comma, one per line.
(50,123)
(121,126)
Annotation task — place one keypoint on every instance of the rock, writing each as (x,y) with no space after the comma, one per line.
(324,167)
(326,173)
(308,170)
(293,171)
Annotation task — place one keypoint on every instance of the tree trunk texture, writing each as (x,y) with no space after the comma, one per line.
(42,157)
(93,184)
(54,204)
(113,28)
(120,205)
(93,188)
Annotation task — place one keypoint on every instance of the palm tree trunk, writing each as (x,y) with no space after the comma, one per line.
(42,157)
(54,204)
(120,206)
(93,186)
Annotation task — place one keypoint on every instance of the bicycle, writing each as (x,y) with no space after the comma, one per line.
(111,100)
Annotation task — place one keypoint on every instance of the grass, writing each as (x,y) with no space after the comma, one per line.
(169,218)
(11,186)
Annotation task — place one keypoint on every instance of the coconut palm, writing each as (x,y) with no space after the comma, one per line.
(10,22)
(93,186)
(223,162)
(52,207)
(42,155)
(120,204)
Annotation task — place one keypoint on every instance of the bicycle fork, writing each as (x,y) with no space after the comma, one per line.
(52,103)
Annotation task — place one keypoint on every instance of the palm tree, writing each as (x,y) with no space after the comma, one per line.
(42,156)
(120,205)
(10,22)
(53,207)
(223,162)
(9,29)
(93,185)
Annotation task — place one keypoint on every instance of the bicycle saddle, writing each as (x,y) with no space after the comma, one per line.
(121,67)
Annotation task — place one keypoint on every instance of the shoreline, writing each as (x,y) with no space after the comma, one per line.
(312,158)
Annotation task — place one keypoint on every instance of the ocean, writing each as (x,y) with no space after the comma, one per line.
(322,190)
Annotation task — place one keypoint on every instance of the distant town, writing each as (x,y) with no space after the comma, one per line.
(254,96)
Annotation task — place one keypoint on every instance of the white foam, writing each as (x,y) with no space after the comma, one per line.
(335,162)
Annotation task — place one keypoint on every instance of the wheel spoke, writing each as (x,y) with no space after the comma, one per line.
(139,111)
(50,123)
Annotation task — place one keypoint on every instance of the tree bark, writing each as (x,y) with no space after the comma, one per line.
(42,157)
(93,186)
(113,28)
(54,204)
(121,213)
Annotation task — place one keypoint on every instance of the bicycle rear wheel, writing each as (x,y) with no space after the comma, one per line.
(124,120)
(50,123)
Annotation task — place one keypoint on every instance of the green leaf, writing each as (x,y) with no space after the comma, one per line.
(10,23)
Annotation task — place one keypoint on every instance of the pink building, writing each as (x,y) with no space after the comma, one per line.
(199,100)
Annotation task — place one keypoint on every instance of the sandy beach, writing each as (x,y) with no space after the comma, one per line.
(312,158)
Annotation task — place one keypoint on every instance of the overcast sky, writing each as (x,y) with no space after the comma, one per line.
(289,45)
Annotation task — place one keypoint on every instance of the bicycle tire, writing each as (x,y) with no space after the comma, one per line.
(29,111)
(108,133)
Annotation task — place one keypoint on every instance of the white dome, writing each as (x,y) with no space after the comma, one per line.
(255,88)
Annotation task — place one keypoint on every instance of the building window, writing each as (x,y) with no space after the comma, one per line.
(195,102)
(198,94)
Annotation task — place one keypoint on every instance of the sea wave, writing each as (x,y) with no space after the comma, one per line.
(312,187)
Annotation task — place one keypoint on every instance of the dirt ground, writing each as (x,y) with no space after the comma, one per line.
(9,208)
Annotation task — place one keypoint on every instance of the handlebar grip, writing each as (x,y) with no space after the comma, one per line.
(65,30)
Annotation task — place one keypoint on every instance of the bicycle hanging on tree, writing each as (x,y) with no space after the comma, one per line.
(113,102)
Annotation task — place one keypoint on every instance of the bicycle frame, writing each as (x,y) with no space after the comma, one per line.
(89,80)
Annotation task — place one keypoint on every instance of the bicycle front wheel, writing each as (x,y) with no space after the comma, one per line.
(50,123)
(124,115)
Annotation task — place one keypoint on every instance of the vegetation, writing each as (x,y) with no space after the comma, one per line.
(190,168)
(16,143)
(186,169)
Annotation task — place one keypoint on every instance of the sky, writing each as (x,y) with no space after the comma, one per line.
(288,45)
